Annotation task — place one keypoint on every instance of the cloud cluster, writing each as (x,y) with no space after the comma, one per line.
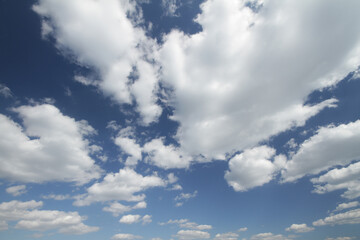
(269,236)
(226,236)
(349,217)
(29,217)
(343,206)
(123,56)
(125,236)
(246,75)
(117,208)
(185,223)
(130,219)
(50,147)
(192,234)
(16,190)
(300,228)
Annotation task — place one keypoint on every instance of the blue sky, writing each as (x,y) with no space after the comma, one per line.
(167,119)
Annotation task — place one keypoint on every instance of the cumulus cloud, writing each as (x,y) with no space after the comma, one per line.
(192,234)
(166,156)
(251,168)
(130,147)
(269,236)
(123,56)
(125,236)
(226,236)
(16,190)
(170,7)
(330,146)
(299,228)
(243,229)
(344,178)
(349,217)
(29,217)
(185,223)
(57,197)
(234,89)
(122,186)
(117,208)
(348,205)
(50,147)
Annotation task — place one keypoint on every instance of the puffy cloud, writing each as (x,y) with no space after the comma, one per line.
(16,190)
(344,178)
(192,234)
(130,219)
(349,217)
(226,236)
(57,197)
(185,223)
(130,147)
(268,236)
(246,75)
(170,7)
(3,225)
(251,168)
(330,146)
(117,208)
(50,147)
(300,228)
(29,217)
(340,238)
(5,91)
(343,206)
(125,236)
(123,55)
(243,229)
(121,186)
(166,156)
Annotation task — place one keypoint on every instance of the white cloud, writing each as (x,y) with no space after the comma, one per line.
(122,186)
(123,50)
(330,146)
(166,156)
(192,234)
(234,89)
(340,238)
(50,147)
(182,197)
(29,217)
(125,236)
(251,168)
(117,208)
(343,206)
(243,229)
(146,219)
(226,236)
(130,219)
(349,217)
(130,147)
(3,225)
(57,197)
(5,91)
(269,236)
(299,228)
(185,223)
(344,178)
(16,190)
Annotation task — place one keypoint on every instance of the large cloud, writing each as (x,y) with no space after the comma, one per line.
(246,76)
(349,217)
(100,35)
(29,217)
(330,146)
(50,147)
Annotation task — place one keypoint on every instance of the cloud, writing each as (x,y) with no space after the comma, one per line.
(5,91)
(117,208)
(269,236)
(344,178)
(121,186)
(185,223)
(299,228)
(16,190)
(130,219)
(343,206)
(251,168)
(123,57)
(130,147)
(226,236)
(50,147)
(340,238)
(233,89)
(349,217)
(330,146)
(182,197)
(29,217)
(243,229)
(192,234)
(170,7)
(166,156)
(57,197)
(125,236)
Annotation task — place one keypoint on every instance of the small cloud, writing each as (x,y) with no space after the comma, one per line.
(243,229)
(5,91)
(16,190)
(299,228)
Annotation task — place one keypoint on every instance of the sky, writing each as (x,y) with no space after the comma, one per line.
(169,119)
